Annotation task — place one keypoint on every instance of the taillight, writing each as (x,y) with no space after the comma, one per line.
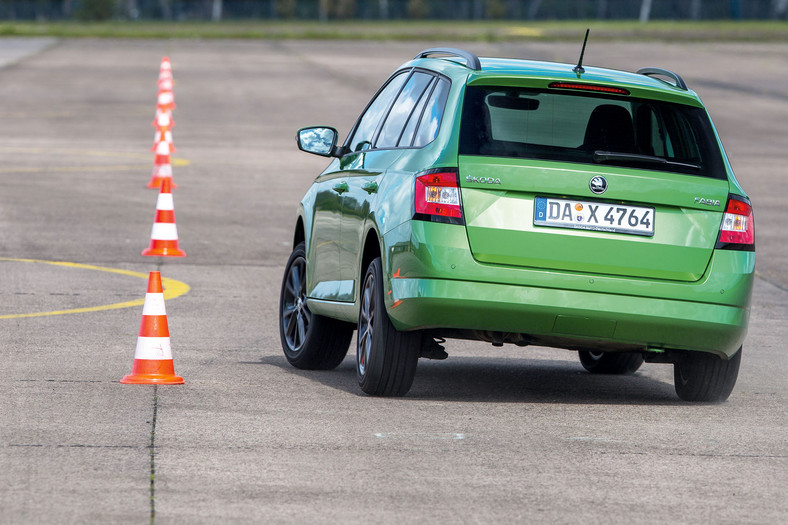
(437,197)
(737,231)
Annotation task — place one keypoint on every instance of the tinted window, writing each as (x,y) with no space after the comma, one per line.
(368,124)
(430,121)
(554,125)
(413,121)
(402,109)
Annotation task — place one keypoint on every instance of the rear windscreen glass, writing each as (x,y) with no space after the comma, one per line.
(569,127)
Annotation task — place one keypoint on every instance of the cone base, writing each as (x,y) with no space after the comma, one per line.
(152,372)
(155,182)
(164,252)
(151,379)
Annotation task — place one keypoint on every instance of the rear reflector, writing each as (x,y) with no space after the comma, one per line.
(737,231)
(589,87)
(437,197)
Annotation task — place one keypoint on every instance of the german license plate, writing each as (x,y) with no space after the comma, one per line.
(597,216)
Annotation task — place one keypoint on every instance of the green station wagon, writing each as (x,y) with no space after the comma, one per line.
(529,203)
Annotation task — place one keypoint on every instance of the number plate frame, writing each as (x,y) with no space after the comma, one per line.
(595,216)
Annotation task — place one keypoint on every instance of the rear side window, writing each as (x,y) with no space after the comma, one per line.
(430,121)
(413,121)
(368,123)
(568,127)
(403,107)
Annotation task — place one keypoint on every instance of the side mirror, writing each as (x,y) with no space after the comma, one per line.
(318,140)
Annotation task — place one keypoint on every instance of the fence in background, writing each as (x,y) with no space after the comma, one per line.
(196,10)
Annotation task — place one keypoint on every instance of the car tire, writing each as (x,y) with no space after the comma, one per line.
(310,341)
(386,359)
(620,363)
(703,377)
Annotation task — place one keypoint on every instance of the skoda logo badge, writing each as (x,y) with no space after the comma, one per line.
(598,185)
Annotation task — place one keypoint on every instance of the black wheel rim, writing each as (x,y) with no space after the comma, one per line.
(296,317)
(366,325)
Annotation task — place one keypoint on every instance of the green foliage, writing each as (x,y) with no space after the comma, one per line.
(495,9)
(418,9)
(342,9)
(415,30)
(96,10)
(285,8)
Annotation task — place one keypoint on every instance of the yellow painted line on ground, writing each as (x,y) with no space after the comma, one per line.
(66,114)
(69,151)
(116,167)
(84,152)
(172,289)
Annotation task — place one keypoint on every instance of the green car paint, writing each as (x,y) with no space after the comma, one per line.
(441,284)
(496,274)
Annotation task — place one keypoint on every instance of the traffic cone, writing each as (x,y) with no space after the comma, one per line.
(166,84)
(165,101)
(164,235)
(153,363)
(165,88)
(165,69)
(165,76)
(163,124)
(159,114)
(166,65)
(162,166)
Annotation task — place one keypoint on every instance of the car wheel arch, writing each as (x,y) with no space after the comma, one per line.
(370,250)
(299,233)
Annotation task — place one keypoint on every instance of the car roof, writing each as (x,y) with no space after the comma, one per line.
(534,73)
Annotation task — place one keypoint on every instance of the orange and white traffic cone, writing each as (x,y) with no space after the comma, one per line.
(166,84)
(153,364)
(165,69)
(163,124)
(159,114)
(162,166)
(164,235)
(166,65)
(165,101)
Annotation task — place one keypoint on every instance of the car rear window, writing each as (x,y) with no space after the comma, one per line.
(560,126)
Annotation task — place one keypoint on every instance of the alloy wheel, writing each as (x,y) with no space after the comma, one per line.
(296,316)
(366,324)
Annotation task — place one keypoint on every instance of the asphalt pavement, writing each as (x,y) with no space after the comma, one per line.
(489,435)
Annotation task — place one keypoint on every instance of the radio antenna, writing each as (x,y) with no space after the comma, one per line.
(579,67)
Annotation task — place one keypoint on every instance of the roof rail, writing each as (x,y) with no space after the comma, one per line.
(471,60)
(656,71)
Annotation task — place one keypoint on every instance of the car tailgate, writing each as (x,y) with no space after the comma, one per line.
(499,197)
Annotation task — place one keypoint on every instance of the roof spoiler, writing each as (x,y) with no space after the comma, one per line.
(471,60)
(656,71)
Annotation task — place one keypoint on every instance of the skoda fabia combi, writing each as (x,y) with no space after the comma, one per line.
(525,203)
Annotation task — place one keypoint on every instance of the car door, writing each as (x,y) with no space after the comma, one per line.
(366,171)
(333,189)
(323,269)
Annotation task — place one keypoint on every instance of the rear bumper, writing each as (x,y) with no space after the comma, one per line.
(568,315)
(435,283)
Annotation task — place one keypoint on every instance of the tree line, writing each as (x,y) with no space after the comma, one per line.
(324,10)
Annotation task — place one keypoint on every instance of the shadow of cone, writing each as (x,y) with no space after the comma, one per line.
(153,363)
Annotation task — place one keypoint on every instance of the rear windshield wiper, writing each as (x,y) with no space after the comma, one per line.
(602,157)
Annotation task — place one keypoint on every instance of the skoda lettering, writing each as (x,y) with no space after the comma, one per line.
(482,180)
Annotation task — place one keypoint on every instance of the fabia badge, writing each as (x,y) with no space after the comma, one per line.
(598,185)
